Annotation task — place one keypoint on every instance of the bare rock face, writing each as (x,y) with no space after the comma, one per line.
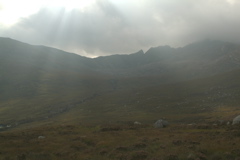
(161,123)
(236,120)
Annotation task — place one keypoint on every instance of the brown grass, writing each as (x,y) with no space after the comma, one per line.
(121,142)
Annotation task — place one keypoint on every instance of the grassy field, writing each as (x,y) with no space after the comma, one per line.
(39,84)
(56,105)
(121,142)
(104,100)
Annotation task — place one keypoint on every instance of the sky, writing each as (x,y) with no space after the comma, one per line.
(104,27)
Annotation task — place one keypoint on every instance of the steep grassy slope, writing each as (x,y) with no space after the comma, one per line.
(202,100)
(196,101)
(44,85)
(37,82)
(24,69)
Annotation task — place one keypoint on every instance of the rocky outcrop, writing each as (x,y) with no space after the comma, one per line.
(161,123)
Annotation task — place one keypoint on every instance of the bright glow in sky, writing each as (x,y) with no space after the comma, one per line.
(11,11)
(231,1)
(106,27)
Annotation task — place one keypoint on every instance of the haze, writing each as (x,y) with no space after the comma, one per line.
(104,27)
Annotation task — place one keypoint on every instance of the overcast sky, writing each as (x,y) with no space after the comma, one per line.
(103,27)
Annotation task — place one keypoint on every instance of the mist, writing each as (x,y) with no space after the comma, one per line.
(121,27)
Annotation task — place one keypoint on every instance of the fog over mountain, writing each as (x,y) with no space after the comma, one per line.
(41,83)
(196,60)
(105,27)
(119,79)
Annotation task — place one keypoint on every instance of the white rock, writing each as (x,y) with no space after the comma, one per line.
(236,120)
(41,137)
(137,123)
(161,123)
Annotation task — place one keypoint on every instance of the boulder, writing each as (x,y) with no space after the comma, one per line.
(236,120)
(41,137)
(137,123)
(161,123)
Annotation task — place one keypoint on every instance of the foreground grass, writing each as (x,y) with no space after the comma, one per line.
(121,142)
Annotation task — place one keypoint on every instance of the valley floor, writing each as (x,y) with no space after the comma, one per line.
(121,142)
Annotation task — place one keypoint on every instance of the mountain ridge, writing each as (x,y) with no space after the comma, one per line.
(42,84)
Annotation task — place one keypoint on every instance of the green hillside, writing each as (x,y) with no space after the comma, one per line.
(41,85)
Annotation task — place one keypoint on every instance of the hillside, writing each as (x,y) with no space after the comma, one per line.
(39,85)
(195,60)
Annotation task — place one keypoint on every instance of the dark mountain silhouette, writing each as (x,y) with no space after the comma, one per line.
(203,58)
(196,60)
(40,83)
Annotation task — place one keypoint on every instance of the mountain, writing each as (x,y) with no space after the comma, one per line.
(25,67)
(204,58)
(192,61)
(40,84)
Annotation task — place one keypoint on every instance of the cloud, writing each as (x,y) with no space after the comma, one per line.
(121,27)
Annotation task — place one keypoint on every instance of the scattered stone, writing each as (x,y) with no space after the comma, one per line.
(137,123)
(191,124)
(41,137)
(236,120)
(161,123)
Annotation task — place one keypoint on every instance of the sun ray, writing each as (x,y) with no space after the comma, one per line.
(231,1)
(11,11)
